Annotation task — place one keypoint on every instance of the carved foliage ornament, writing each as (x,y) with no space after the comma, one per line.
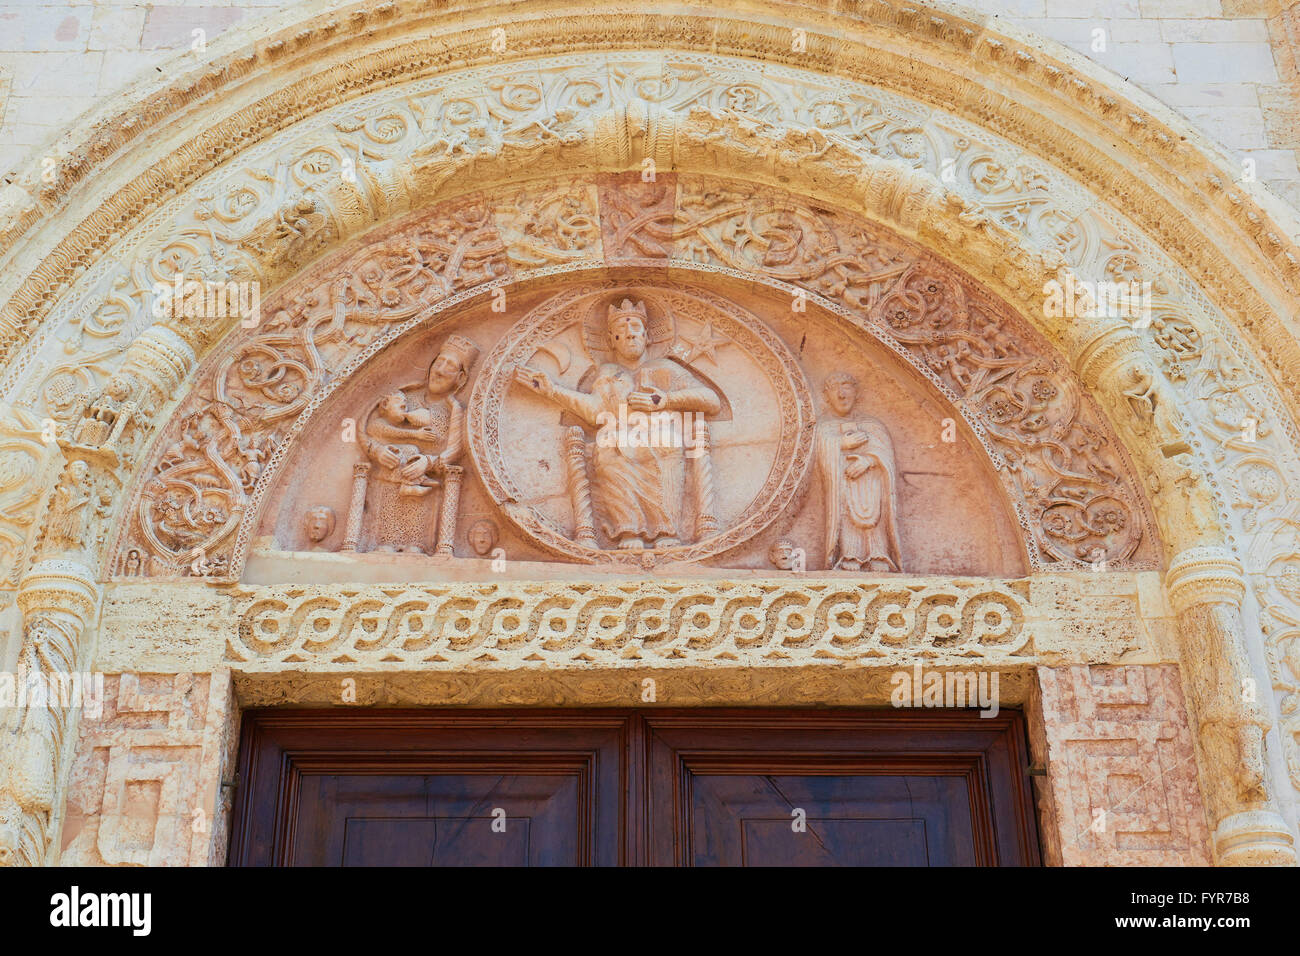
(1057,457)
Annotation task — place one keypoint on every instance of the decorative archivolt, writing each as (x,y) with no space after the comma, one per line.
(259,221)
(251,220)
(973,179)
(250,227)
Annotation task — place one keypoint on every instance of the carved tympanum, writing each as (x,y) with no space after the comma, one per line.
(633,421)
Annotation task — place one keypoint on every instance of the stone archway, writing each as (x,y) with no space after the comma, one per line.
(1032,203)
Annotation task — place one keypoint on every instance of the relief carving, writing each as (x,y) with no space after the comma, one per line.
(612,503)
(456,626)
(855,460)
(104,418)
(642,427)
(1072,521)
(1120,751)
(785,555)
(318,524)
(414,438)
(639,488)
(482,537)
(145,783)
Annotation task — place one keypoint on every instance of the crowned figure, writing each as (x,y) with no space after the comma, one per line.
(639,488)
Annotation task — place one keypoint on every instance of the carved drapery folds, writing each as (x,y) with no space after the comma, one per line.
(650,481)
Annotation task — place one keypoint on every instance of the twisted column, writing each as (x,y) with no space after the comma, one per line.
(706,520)
(1206,586)
(58,600)
(575,455)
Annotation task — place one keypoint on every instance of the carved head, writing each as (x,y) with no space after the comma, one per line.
(625,327)
(841,392)
(319,523)
(782,555)
(118,388)
(450,370)
(482,537)
(79,473)
(393,407)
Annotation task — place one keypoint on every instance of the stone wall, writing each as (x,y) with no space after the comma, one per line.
(1229,66)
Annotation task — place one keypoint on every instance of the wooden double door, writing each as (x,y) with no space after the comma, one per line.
(657,787)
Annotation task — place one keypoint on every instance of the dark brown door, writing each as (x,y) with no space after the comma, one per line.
(422,788)
(552,788)
(874,788)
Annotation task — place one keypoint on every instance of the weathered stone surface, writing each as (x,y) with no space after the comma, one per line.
(145,788)
(1122,767)
(919,205)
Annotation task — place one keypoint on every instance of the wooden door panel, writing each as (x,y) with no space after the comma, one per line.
(666,787)
(440,820)
(418,788)
(889,788)
(843,820)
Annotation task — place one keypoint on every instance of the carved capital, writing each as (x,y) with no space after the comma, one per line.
(1206,585)
(58,600)
(55,586)
(162,358)
(1101,348)
(1205,575)
(1254,838)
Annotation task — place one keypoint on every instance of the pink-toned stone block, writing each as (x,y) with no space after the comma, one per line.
(636,217)
(173,27)
(145,783)
(1122,767)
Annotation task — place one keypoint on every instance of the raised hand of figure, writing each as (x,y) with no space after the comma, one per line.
(536,380)
(648,400)
(856,438)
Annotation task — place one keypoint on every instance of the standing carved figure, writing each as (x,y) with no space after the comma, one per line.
(640,487)
(855,460)
(71,508)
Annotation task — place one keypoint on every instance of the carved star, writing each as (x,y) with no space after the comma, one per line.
(705,345)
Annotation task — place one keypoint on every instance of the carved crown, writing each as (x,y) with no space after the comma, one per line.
(660,327)
(462,349)
(626,310)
